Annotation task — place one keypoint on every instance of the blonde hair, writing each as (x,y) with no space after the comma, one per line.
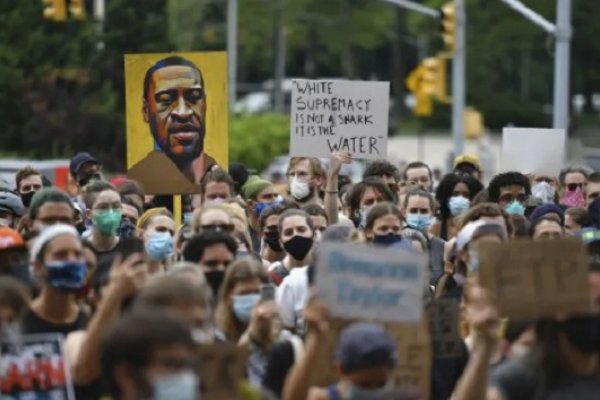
(199,212)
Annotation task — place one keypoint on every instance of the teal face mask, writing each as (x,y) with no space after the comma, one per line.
(515,208)
(107,221)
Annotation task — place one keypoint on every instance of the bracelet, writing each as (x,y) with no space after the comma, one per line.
(331,191)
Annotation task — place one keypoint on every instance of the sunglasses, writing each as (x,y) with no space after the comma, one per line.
(571,187)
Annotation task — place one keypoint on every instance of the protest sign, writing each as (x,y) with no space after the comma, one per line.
(414,355)
(366,282)
(533,150)
(222,370)
(337,115)
(34,367)
(536,279)
(445,338)
(177,119)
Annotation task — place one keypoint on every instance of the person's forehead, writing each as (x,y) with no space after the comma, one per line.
(417,172)
(175,76)
(130,210)
(303,165)
(461,186)
(512,188)
(319,220)
(54,208)
(162,220)
(418,201)
(293,221)
(272,220)
(63,242)
(593,187)
(107,196)
(217,250)
(215,215)
(548,225)
(499,220)
(574,176)
(266,191)
(35,178)
(217,187)
(370,192)
(387,219)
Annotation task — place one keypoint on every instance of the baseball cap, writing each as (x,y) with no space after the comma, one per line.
(472,159)
(78,161)
(365,345)
(11,239)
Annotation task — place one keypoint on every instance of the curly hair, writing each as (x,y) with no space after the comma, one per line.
(507,179)
(357,192)
(446,187)
(380,168)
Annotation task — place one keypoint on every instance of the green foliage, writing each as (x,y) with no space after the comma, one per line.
(255,139)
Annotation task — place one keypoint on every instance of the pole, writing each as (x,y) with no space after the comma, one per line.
(99,15)
(409,5)
(232,25)
(458,79)
(561,64)
(278,99)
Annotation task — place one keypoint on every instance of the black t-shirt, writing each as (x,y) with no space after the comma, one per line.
(105,261)
(523,380)
(33,323)
(279,362)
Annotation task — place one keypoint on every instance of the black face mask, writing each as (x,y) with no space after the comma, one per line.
(87,179)
(298,247)
(26,198)
(272,240)
(387,240)
(215,280)
(583,333)
(126,229)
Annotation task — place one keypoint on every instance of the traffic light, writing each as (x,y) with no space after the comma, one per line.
(473,123)
(448,23)
(55,10)
(77,9)
(433,79)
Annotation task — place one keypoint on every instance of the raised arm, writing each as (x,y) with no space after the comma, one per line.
(331,189)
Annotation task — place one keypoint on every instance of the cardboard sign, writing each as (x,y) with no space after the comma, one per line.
(533,150)
(222,369)
(536,279)
(336,115)
(34,367)
(445,337)
(367,282)
(414,355)
(176,108)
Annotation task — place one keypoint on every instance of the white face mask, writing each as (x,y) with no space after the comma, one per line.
(179,386)
(543,191)
(299,189)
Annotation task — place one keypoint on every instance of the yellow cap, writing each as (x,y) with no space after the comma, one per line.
(470,159)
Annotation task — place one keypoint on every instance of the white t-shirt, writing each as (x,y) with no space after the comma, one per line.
(291,297)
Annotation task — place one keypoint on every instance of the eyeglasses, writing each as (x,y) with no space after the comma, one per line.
(218,227)
(509,198)
(571,187)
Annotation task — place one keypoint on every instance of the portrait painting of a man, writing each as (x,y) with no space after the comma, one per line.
(173,107)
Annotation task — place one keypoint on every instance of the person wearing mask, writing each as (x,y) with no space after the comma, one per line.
(215,187)
(48,207)
(11,209)
(296,234)
(150,355)
(511,191)
(573,182)
(576,219)
(14,260)
(319,219)
(468,164)
(157,229)
(271,250)
(592,189)
(28,181)
(104,206)
(305,177)
(14,302)
(546,228)
(259,194)
(363,197)
(384,226)
(84,168)
(544,188)
(244,318)
(418,210)
(418,173)
(212,251)
(212,218)
(58,264)
(130,215)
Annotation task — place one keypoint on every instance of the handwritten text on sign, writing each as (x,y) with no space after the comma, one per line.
(335,115)
(536,279)
(371,283)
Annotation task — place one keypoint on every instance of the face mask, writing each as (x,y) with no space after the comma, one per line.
(473,261)
(67,276)
(357,393)
(107,221)
(543,191)
(386,240)
(26,198)
(243,305)
(260,207)
(5,222)
(583,333)
(203,335)
(126,229)
(364,212)
(300,190)
(159,246)
(573,199)
(515,208)
(458,205)
(214,280)
(419,221)
(298,247)
(180,386)
(272,240)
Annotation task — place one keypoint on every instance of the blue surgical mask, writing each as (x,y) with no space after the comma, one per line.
(458,205)
(515,208)
(159,246)
(389,239)
(178,386)
(66,275)
(473,261)
(243,304)
(260,207)
(419,221)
